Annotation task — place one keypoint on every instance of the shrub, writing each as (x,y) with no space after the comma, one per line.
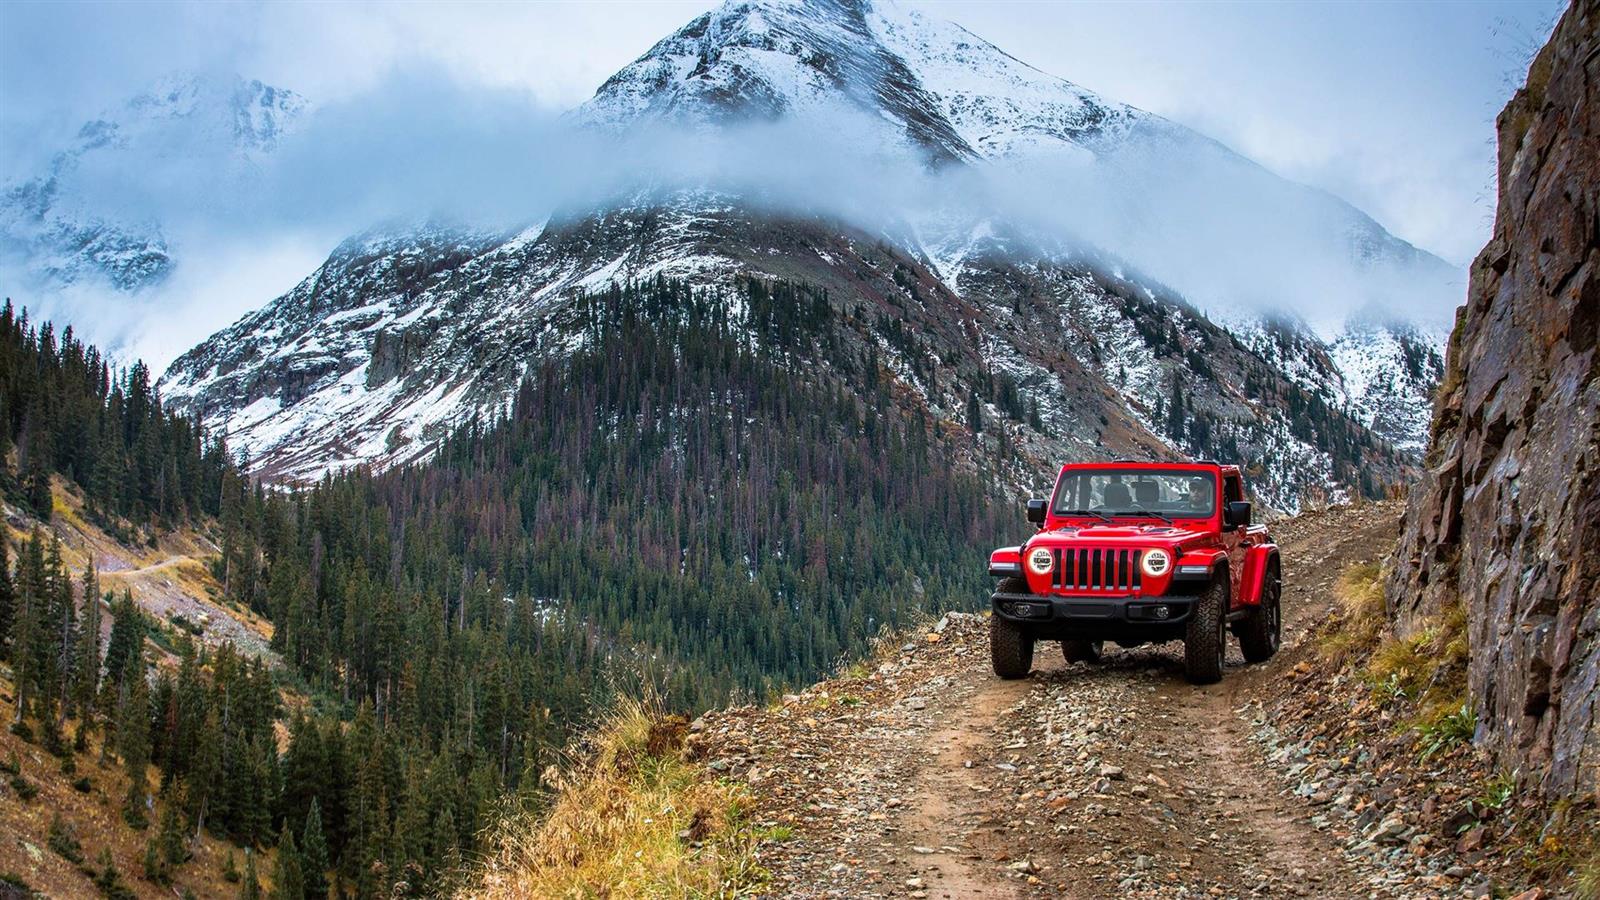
(1448,730)
(1497,791)
(109,880)
(63,842)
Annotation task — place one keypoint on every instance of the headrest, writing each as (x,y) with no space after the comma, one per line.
(1117,496)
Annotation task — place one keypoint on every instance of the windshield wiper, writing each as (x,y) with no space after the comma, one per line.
(1086,512)
(1146,512)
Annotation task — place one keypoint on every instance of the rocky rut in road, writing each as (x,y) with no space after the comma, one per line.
(920,774)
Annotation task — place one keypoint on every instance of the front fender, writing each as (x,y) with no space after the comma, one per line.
(1006,562)
(1195,570)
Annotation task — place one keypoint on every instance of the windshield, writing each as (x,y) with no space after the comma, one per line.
(1188,494)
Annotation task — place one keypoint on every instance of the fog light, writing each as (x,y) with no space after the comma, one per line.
(1161,612)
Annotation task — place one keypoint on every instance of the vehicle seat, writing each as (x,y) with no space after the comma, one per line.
(1148,493)
(1116,496)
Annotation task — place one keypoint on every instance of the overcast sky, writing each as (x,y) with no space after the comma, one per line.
(1389,105)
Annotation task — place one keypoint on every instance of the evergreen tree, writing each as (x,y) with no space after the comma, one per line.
(314,856)
(31,640)
(250,886)
(155,867)
(38,493)
(170,839)
(86,658)
(109,879)
(1175,410)
(288,883)
(126,644)
(8,598)
(133,744)
(209,773)
(64,638)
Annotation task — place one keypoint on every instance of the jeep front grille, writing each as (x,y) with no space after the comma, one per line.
(1096,570)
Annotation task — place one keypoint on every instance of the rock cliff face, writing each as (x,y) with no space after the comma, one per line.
(1507,518)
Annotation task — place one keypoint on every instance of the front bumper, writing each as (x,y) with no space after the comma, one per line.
(1124,613)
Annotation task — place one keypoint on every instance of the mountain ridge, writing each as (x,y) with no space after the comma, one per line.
(371,361)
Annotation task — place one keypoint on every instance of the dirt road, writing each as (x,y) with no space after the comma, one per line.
(929,777)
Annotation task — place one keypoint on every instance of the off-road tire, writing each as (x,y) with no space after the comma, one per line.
(1205,642)
(1261,632)
(1010,647)
(1081,650)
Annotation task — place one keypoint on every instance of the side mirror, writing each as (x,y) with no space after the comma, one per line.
(1036,510)
(1236,514)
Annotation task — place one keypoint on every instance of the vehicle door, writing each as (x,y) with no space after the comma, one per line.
(1233,536)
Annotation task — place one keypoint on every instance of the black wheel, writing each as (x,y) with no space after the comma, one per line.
(1204,643)
(1261,633)
(1010,647)
(1081,650)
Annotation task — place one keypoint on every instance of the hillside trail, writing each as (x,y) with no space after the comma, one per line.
(1117,779)
(167,563)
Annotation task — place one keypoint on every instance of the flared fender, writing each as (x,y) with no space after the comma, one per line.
(1256,560)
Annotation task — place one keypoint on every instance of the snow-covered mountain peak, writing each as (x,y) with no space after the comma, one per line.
(933,84)
(1000,105)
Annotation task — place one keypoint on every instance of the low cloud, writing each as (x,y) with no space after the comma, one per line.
(421,145)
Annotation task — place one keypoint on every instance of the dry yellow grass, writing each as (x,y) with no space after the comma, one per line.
(1587,883)
(634,819)
(1361,622)
(1427,668)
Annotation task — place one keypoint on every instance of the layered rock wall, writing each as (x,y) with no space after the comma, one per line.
(1507,517)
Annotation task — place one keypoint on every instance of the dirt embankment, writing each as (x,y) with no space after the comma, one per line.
(920,774)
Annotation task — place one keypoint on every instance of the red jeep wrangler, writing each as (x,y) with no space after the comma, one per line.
(1135,553)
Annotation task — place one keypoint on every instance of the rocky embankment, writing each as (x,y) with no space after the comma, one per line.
(920,774)
(1507,520)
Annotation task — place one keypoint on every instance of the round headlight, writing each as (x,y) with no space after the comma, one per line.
(1040,561)
(1156,563)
